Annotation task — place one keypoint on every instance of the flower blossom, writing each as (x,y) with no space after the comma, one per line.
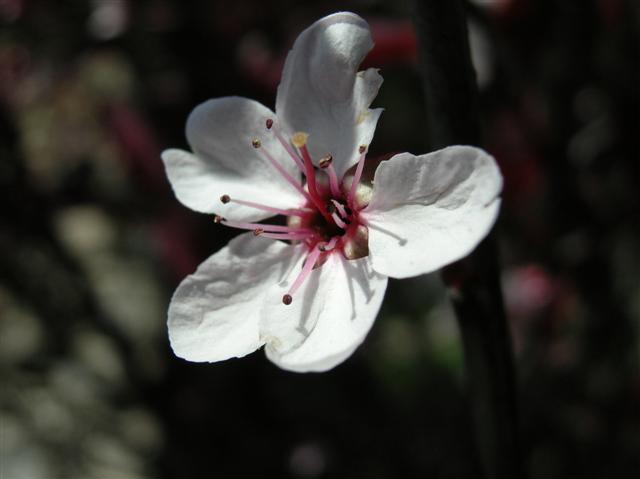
(308,287)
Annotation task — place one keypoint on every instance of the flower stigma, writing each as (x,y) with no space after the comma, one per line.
(329,222)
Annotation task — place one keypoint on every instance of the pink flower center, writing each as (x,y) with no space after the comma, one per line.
(328,223)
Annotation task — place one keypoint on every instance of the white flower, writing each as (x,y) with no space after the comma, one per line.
(309,289)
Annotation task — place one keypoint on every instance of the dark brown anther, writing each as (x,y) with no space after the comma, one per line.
(269,123)
(256,143)
(258,231)
(218,219)
(331,208)
(325,161)
(322,248)
(225,199)
(286,299)
(362,149)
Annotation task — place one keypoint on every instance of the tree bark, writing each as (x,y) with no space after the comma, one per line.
(452,119)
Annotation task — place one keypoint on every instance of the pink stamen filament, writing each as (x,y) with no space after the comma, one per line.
(338,221)
(306,269)
(356,177)
(341,210)
(263,227)
(284,173)
(294,156)
(284,236)
(270,209)
(330,245)
(334,184)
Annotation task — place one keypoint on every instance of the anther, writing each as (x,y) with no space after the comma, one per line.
(225,199)
(218,219)
(299,139)
(269,123)
(256,143)
(286,299)
(362,149)
(258,231)
(325,161)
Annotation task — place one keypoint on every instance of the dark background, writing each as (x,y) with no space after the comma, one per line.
(92,244)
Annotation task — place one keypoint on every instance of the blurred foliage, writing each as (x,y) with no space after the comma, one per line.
(92,244)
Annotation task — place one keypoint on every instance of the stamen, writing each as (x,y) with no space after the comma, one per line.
(326,164)
(299,140)
(292,153)
(309,263)
(284,172)
(269,123)
(356,177)
(325,161)
(338,221)
(313,196)
(260,226)
(330,245)
(278,211)
(341,209)
(283,236)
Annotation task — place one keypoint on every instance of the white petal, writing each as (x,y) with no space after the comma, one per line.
(428,211)
(214,314)
(328,319)
(321,94)
(220,132)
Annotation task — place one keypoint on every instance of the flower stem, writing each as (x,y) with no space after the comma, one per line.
(453,118)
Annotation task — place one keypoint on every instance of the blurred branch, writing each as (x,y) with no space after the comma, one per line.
(453,118)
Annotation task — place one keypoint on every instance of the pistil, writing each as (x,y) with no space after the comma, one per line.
(299,140)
